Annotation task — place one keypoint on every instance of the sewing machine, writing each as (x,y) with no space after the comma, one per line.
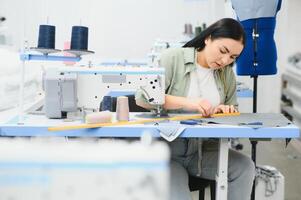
(70,89)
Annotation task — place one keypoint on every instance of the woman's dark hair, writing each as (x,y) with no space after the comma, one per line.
(223,28)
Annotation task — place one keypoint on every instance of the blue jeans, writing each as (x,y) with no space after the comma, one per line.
(241,171)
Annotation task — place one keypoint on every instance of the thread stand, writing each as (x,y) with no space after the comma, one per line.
(78,53)
(44,51)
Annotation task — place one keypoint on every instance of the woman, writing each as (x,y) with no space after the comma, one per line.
(199,78)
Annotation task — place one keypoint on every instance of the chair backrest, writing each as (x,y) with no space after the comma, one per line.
(133,107)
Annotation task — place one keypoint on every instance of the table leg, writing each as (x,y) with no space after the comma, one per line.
(222,170)
(254,144)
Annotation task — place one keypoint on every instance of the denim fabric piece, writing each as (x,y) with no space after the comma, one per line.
(170,131)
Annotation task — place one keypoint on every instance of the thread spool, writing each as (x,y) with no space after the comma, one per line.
(197,30)
(46,37)
(106,103)
(46,40)
(99,117)
(122,108)
(79,41)
(79,38)
(188,29)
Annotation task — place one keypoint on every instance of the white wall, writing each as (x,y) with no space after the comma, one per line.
(126,29)
(117,28)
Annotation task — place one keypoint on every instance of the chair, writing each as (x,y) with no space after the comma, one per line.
(200,184)
(195,183)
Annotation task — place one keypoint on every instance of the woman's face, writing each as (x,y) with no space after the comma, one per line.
(221,52)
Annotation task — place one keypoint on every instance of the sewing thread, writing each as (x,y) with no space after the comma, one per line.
(122,108)
(79,38)
(106,103)
(46,37)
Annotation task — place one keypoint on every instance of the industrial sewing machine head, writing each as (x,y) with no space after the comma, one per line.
(70,88)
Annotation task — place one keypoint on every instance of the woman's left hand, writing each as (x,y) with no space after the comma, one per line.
(224,109)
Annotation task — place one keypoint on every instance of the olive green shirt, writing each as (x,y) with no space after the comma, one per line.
(179,62)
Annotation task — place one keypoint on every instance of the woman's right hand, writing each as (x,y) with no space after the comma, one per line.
(202,106)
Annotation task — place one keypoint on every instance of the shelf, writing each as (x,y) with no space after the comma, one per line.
(291,79)
(291,95)
(289,110)
(28,57)
(244,93)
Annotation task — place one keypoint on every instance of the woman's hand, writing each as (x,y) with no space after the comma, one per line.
(202,106)
(224,109)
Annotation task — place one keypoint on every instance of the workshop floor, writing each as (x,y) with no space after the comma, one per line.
(286,160)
